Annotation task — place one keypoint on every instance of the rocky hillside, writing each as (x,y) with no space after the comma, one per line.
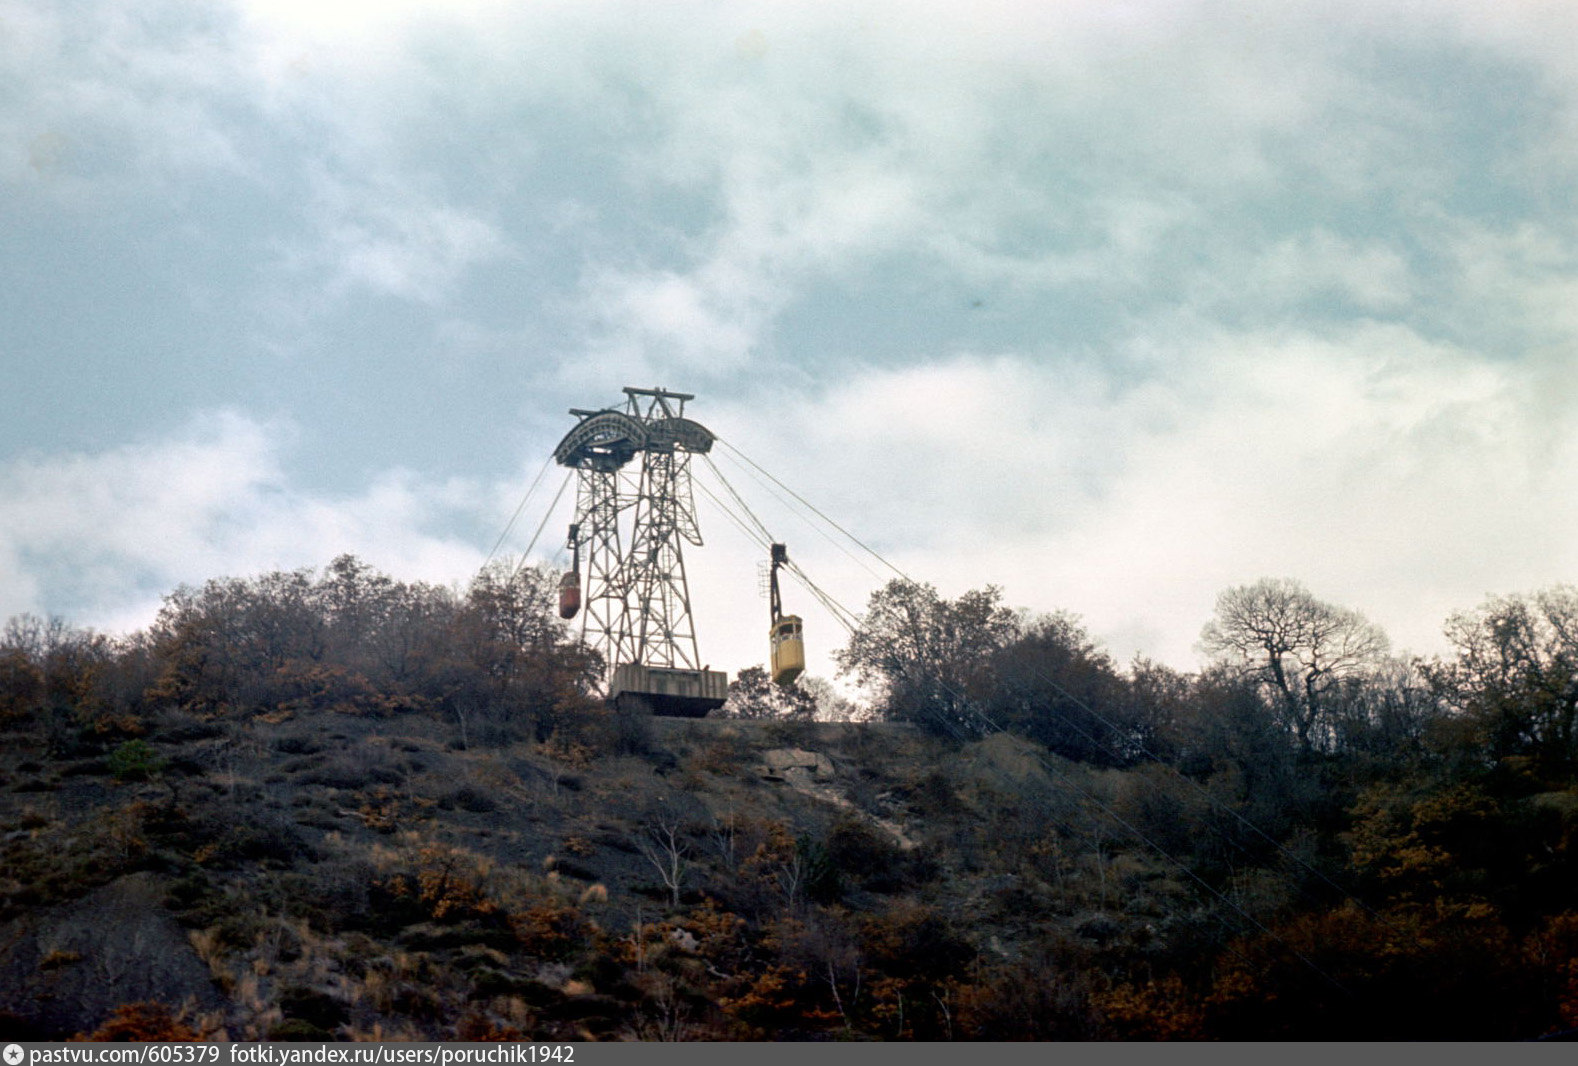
(335,805)
(315,874)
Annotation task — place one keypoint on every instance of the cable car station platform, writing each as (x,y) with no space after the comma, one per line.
(667,692)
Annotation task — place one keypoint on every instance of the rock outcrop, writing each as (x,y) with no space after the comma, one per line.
(796,766)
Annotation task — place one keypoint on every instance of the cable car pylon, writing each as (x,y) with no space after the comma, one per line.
(636,600)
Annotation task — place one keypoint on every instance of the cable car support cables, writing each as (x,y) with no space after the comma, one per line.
(759,538)
(850,621)
(760,528)
(841,614)
(812,508)
(758,531)
(804,514)
(541,525)
(516,516)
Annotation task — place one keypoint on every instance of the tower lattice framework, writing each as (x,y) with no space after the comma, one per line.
(635,461)
(605,623)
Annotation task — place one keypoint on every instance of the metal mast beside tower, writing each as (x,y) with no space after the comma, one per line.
(637,600)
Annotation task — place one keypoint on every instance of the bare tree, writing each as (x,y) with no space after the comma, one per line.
(1299,648)
(724,836)
(660,842)
(790,874)
(664,1014)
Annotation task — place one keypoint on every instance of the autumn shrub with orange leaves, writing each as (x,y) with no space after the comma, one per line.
(1161,1009)
(449,884)
(768,1000)
(137,1022)
(1423,845)
(551,929)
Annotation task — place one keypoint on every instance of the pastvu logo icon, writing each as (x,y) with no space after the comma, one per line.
(13,1054)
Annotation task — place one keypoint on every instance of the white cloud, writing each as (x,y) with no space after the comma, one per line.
(1527,272)
(1400,477)
(387,238)
(641,320)
(1377,467)
(1320,265)
(1034,147)
(100,537)
(106,98)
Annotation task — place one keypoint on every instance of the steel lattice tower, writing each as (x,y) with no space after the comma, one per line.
(637,599)
(606,624)
(665,519)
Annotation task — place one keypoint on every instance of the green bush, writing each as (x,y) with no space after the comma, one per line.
(134,760)
(822,881)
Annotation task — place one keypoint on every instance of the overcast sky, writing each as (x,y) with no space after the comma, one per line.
(1114,305)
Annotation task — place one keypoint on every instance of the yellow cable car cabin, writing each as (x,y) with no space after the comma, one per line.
(788,649)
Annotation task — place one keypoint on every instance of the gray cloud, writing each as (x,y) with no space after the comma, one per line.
(1111,304)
